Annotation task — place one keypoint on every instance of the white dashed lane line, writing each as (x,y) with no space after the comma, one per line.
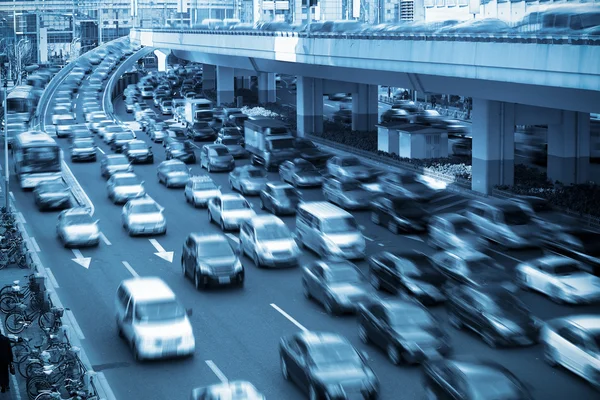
(213,367)
(289,317)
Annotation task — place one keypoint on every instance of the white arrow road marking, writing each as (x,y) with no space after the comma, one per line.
(289,317)
(165,255)
(216,371)
(80,259)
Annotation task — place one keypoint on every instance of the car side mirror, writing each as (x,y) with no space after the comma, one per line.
(97,221)
(219,187)
(142,182)
(189,312)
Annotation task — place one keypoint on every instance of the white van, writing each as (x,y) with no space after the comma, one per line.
(152,321)
(329,231)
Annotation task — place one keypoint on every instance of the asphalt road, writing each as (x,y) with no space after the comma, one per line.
(238,331)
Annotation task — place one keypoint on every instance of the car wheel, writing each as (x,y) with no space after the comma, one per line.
(256,260)
(136,354)
(183,270)
(261,205)
(454,320)
(362,334)
(329,307)
(375,218)
(550,356)
(393,354)
(375,282)
(187,200)
(208,168)
(197,282)
(210,218)
(167,183)
(284,370)
(305,290)
(231,185)
(222,224)
(119,331)
(393,227)
(556,294)
(312,393)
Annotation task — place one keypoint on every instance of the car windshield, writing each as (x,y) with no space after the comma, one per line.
(484,385)
(329,355)
(339,225)
(305,167)
(407,208)
(77,219)
(167,103)
(214,249)
(463,226)
(342,274)
(230,142)
(117,161)
(349,186)
(272,232)
(257,173)
(159,311)
(411,316)
(235,204)
(516,217)
(200,125)
(504,302)
(480,264)
(350,162)
(566,269)
(286,192)
(52,187)
(282,144)
(204,185)
(145,208)
(176,132)
(219,151)
(126,181)
(176,168)
(231,132)
(81,144)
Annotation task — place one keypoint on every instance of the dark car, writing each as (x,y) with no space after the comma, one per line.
(405,185)
(579,244)
(466,379)
(137,151)
(463,148)
(395,115)
(405,330)
(182,151)
(337,285)
(493,313)
(310,152)
(346,193)
(399,214)
(279,198)
(83,150)
(120,139)
(343,116)
(52,195)
(410,273)
(428,117)
(300,173)
(201,131)
(406,105)
(174,135)
(326,365)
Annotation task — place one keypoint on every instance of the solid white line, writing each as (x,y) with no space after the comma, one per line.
(34,244)
(442,198)
(21,218)
(75,325)
(130,269)
(449,205)
(506,255)
(105,239)
(369,239)
(100,150)
(216,371)
(232,237)
(381,244)
(329,105)
(12,196)
(52,279)
(289,317)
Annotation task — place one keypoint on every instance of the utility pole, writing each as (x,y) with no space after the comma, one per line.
(3,77)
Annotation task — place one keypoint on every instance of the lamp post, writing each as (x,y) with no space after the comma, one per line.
(3,60)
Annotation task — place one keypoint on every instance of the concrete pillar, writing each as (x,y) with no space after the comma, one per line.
(309,103)
(209,76)
(364,108)
(266,88)
(493,145)
(569,148)
(225,90)
(161,57)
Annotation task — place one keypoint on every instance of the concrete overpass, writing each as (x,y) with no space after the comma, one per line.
(513,81)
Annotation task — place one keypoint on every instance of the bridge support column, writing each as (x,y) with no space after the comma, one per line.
(364,108)
(493,145)
(266,88)
(569,148)
(209,74)
(309,103)
(225,80)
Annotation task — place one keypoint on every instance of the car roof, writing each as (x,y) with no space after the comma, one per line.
(587,322)
(171,162)
(477,369)
(323,209)
(279,185)
(468,254)
(211,237)
(136,141)
(231,196)
(554,260)
(77,211)
(313,338)
(201,178)
(142,200)
(453,217)
(214,146)
(124,175)
(267,219)
(148,288)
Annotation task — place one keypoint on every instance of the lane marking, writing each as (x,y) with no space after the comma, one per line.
(329,105)
(105,386)
(130,269)
(216,371)
(21,218)
(105,239)
(506,255)
(380,244)
(435,210)
(75,325)
(369,239)
(100,150)
(52,279)
(232,237)
(34,244)
(442,198)
(414,237)
(12,196)
(289,317)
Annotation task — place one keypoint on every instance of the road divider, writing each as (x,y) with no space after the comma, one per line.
(213,367)
(160,251)
(289,317)
(80,259)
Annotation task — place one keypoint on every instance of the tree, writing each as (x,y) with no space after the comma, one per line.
(20,56)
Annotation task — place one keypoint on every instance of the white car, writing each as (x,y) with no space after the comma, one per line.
(200,189)
(144,216)
(76,228)
(229,211)
(269,242)
(559,278)
(124,186)
(574,343)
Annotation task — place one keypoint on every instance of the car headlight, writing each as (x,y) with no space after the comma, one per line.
(237,266)
(413,288)
(204,269)
(149,342)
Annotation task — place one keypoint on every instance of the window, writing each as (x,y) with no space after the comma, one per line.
(571,336)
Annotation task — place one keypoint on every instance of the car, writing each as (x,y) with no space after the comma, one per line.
(573,343)
(118,140)
(304,355)
(451,230)
(94,117)
(173,173)
(560,278)
(209,260)
(428,117)
(472,268)
(229,211)
(166,107)
(124,186)
(230,131)
(77,228)
(232,390)
(343,116)
(216,157)
(137,151)
(347,167)
(579,244)
(99,122)
(52,195)
(279,198)
(399,214)
(551,222)
(200,189)
(406,184)
(114,163)
(471,379)
(107,133)
(147,91)
(182,151)
(404,329)
(157,131)
(395,115)
(234,145)
(63,124)
(79,131)
(201,130)
(407,273)
(248,180)
(300,173)
(493,313)
(174,133)
(337,285)
(143,216)
(308,151)
(268,242)
(83,150)
(347,193)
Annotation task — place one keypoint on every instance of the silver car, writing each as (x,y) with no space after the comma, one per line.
(450,231)
(268,241)
(83,150)
(166,107)
(108,132)
(200,189)
(76,227)
(248,179)
(229,211)
(348,167)
(124,186)
(63,123)
(234,146)
(143,216)
(347,194)
(173,173)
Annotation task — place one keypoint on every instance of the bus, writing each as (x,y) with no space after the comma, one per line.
(21,103)
(36,158)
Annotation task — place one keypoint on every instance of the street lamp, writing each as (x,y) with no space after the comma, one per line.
(3,60)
